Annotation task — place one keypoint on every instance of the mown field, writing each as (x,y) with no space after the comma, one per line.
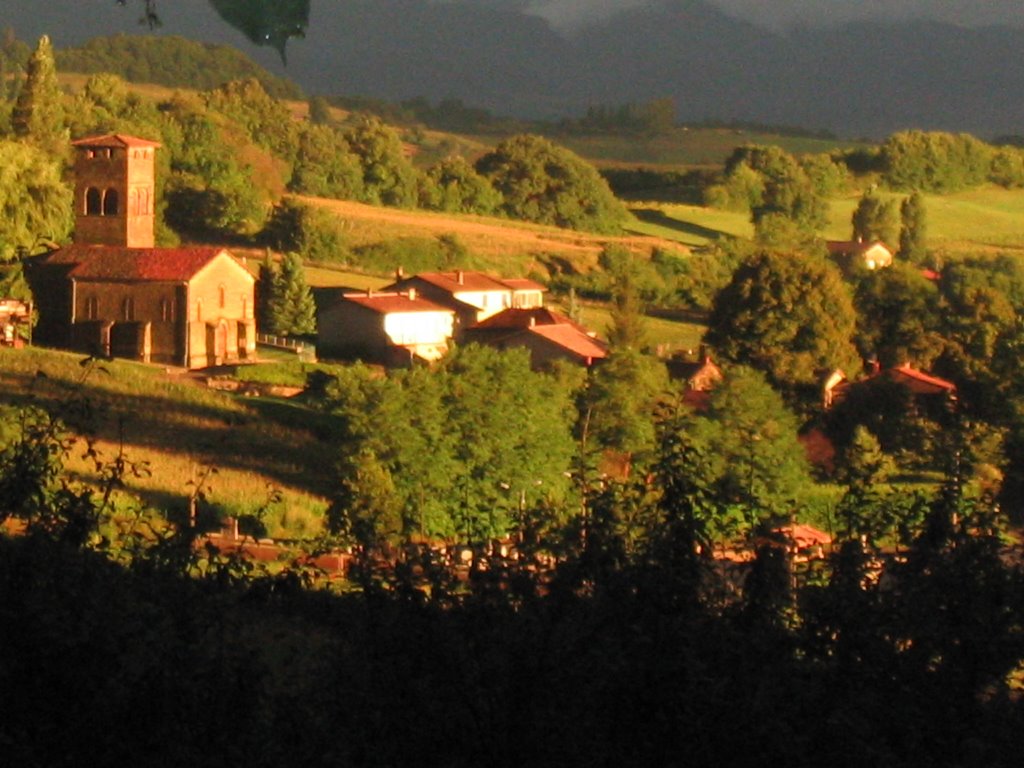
(985,220)
(247,456)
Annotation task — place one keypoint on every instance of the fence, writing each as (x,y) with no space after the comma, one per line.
(304,350)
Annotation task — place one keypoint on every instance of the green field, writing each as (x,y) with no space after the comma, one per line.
(175,429)
(985,220)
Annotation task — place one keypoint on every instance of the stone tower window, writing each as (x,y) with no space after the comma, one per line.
(110,203)
(93,202)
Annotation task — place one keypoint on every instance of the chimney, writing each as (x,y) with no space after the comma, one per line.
(460,277)
(533,321)
(399,273)
(412,294)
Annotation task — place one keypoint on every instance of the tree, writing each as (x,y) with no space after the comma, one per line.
(620,402)
(454,185)
(314,233)
(788,315)
(39,112)
(265,120)
(898,316)
(326,166)
(744,449)
(388,178)
(770,183)
(457,451)
(35,201)
(293,311)
(913,229)
(627,314)
(875,219)
(547,184)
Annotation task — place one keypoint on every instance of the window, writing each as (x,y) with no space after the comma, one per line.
(144,200)
(128,308)
(199,310)
(110,203)
(91,308)
(167,310)
(221,296)
(245,308)
(93,202)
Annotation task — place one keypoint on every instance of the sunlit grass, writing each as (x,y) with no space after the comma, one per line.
(173,430)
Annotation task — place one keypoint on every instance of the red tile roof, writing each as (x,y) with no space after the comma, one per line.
(393,303)
(470,281)
(162,265)
(571,339)
(919,381)
(114,140)
(524,318)
(522,284)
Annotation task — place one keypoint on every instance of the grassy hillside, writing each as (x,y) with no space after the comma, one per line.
(499,245)
(985,220)
(175,430)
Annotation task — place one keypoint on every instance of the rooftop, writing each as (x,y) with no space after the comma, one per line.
(106,262)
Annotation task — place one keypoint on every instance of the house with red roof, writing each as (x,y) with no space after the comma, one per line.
(919,383)
(113,293)
(548,335)
(474,296)
(859,253)
(390,327)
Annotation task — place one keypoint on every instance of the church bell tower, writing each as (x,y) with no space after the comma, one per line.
(115,189)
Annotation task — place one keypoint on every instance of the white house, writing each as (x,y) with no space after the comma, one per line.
(473,296)
(389,327)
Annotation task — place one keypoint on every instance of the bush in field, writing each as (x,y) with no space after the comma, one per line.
(547,184)
(325,165)
(454,186)
(313,233)
(935,162)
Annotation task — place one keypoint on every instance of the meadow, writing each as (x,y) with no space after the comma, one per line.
(250,458)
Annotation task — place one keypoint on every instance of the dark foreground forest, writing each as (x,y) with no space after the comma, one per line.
(143,649)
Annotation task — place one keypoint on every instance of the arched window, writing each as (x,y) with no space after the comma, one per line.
(93,202)
(167,310)
(199,310)
(91,308)
(221,295)
(110,203)
(245,307)
(144,200)
(133,202)
(128,308)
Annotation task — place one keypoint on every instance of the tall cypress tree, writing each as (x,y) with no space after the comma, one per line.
(39,112)
(293,311)
(913,229)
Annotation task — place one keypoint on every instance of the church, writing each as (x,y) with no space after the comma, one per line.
(113,293)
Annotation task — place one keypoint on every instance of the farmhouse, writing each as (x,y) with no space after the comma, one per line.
(113,293)
(388,327)
(473,296)
(857,253)
(918,383)
(548,335)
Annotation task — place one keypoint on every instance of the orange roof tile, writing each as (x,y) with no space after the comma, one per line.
(104,262)
(571,339)
(392,303)
(115,140)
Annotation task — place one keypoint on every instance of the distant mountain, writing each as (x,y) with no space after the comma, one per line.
(856,79)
